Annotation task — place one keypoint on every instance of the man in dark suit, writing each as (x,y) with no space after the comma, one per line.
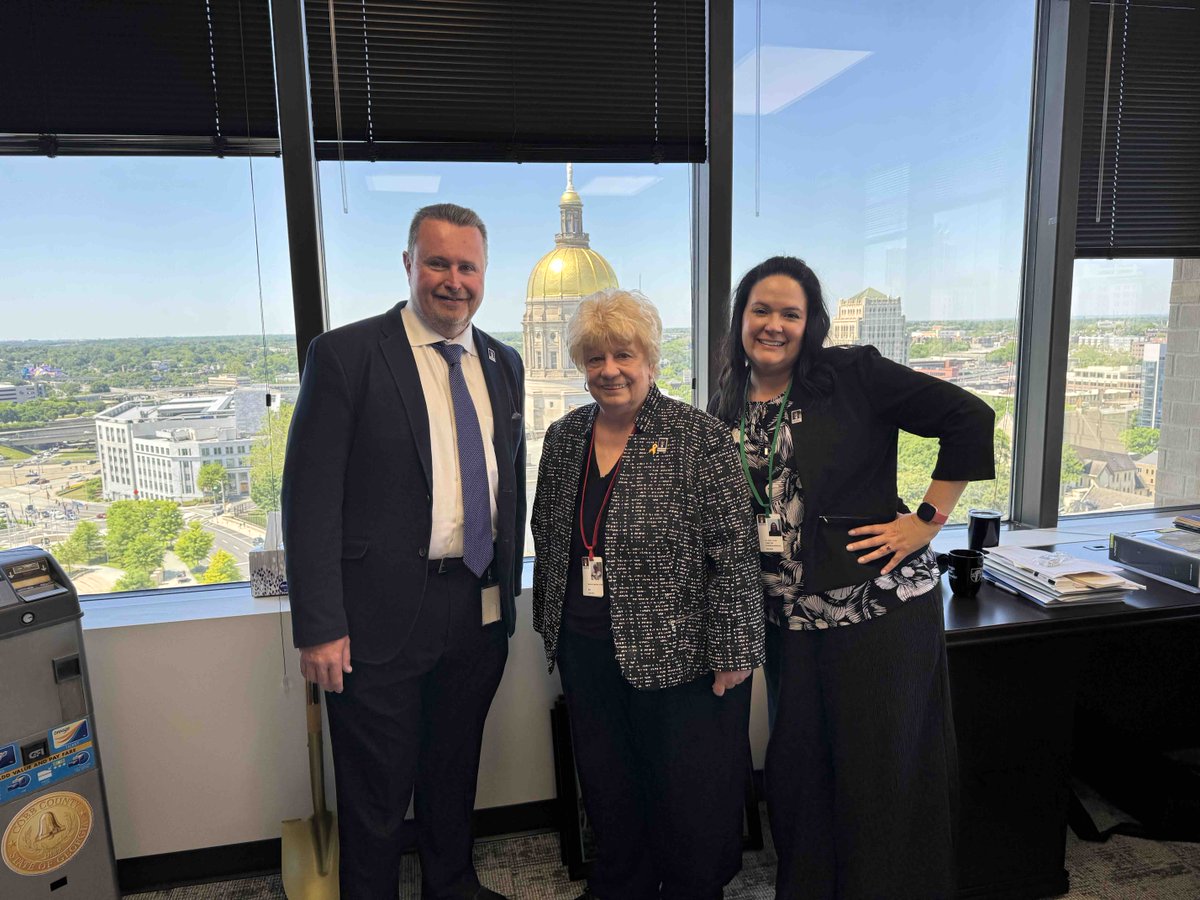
(404,519)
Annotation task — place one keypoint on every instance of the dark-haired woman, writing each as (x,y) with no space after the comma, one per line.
(861,765)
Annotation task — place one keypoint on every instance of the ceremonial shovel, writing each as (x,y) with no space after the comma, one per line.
(310,846)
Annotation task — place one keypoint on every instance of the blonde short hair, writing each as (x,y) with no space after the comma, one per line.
(613,318)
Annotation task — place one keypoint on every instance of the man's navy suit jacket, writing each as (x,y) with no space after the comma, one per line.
(358,486)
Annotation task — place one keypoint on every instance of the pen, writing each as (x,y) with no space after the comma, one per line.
(1005,588)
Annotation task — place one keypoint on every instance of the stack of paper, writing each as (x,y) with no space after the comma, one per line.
(1055,579)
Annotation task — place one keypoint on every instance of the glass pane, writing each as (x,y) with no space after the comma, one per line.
(1131,430)
(881,146)
(135,364)
(636,225)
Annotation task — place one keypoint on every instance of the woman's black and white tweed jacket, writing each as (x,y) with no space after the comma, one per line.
(680,548)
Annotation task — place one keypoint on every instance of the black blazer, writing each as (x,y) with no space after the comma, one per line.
(357,486)
(846,453)
(681,556)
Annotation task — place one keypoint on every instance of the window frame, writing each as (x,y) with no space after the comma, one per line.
(1044,312)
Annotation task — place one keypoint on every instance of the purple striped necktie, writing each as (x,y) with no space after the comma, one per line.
(472,467)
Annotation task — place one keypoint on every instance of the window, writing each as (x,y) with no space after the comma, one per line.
(634,233)
(131,306)
(883,148)
(1131,426)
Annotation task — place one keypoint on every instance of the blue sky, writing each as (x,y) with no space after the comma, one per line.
(893,155)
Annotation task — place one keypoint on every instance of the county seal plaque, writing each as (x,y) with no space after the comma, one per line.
(46,833)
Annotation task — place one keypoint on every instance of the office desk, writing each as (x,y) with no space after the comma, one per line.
(1015,671)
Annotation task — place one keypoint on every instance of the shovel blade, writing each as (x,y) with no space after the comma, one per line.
(305,875)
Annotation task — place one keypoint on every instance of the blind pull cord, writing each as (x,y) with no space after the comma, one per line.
(757,103)
(337,107)
(1112,4)
(262,324)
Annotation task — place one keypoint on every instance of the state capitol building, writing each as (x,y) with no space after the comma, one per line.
(561,278)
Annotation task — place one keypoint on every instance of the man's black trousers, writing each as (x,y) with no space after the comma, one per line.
(417,720)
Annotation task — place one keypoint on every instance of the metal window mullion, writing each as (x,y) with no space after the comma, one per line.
(1045,311)
(712,209)
(301,188)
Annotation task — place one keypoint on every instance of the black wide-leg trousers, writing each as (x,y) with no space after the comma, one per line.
(663,775)
(416,720)
(861,770)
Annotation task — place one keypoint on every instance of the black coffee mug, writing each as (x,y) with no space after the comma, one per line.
(983,528)
(966,571)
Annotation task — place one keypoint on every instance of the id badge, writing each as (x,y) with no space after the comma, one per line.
(593,576)
(489,595)
(770,533)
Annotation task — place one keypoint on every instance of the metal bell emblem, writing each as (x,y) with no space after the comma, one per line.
(48,826)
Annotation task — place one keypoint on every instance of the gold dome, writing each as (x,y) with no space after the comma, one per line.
(570,272)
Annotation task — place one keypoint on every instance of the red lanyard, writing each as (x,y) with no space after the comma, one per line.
(603,503)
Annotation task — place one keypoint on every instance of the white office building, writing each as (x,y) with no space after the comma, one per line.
(154,451)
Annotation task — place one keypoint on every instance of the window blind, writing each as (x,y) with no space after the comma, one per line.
(111,77)
(1139,184)
(516,80)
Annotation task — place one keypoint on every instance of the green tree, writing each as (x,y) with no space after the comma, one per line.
(1003,354)
(93,542)
(70,553)
(134,580)
(266,458)
(1071,469)
(222,568)
(1095,356)
(193,545)
(936,347)
(128,520)
(166,521)
(145,553)
(1139,441)
(84,545)
(211,478)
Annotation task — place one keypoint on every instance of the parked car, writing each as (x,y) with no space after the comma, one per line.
(101,515)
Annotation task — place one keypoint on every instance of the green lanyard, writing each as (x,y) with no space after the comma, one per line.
(765,504)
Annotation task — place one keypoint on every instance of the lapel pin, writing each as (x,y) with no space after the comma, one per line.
(797,416)
(491,354)
(658,447)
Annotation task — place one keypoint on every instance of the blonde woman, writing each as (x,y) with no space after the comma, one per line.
(646,591)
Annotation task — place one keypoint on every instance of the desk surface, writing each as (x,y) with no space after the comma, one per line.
(995,615)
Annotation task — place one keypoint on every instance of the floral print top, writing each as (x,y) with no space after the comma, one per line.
(783,573)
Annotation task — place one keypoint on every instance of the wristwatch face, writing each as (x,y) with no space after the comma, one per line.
(926,512)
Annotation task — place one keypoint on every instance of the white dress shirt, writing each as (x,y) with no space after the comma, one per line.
(446,538)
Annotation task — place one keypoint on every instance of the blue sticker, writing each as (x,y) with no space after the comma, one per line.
(59,767)
(8,757)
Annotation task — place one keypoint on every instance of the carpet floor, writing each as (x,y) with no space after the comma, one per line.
(526,867)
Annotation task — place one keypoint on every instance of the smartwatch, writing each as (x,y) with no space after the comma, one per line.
(927,512)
